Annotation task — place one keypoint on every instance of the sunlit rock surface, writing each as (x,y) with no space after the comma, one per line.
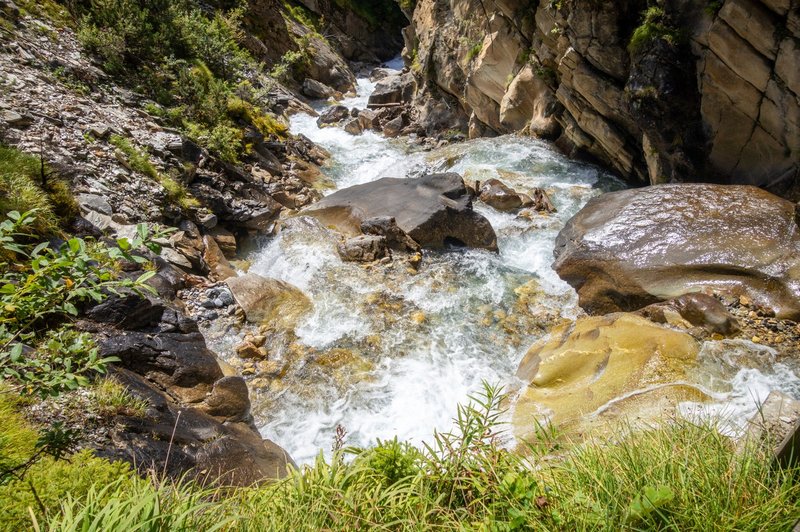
(583,366)
(627,249)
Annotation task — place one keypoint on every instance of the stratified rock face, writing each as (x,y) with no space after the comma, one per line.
(715,99)
(434,210)
(582,366)
(627,249)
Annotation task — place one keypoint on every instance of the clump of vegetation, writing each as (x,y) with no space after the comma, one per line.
(677,477)
(112,398)
(187,60)
(474,50)
(654,26)
(27,183)
(139,161)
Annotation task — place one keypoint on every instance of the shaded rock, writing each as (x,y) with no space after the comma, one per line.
(228,399)
(333,115)
(354,127)
(15,119)
(93,202)
(219,268)
(699,310)
(393,127)
(269,301)
(386,226)
(497,194)
(625,250)
(363,248)
(582,366)
(434,210)
(129,312)
(319,91)
(225,240)
(393,89)
(380,73)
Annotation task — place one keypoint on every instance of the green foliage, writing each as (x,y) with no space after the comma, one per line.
(52,482)
(474,50)
(654,26)
(22,190)
(303,16)
(139,161)
(713,7)
(407,5)
(678,477)
(42,287)
(112,398)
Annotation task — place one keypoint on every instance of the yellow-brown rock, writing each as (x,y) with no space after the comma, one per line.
(584,365)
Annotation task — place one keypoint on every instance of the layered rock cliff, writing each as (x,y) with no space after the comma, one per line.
(682,91)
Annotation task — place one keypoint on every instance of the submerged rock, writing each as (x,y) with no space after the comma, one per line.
(580,367)
(625,250)
(269,301)
(434,210)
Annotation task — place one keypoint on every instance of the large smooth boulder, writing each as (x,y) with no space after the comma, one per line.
(269,301)
(582,367)
(625,250)
(435,210)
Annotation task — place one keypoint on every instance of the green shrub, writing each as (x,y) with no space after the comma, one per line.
(474,50)
(46,285)
(654,26)
(22,190)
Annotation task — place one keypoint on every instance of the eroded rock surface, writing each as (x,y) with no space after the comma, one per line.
(434,210)
(582,366)
(627,249)
(268,301)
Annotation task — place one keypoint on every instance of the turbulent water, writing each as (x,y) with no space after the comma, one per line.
(389,352)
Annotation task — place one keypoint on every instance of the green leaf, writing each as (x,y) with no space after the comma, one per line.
(145,276)
(651,499)
(123,244)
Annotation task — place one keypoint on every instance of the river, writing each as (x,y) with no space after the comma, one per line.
(388,351)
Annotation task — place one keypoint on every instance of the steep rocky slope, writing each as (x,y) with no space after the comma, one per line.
(128,162)
(681,91)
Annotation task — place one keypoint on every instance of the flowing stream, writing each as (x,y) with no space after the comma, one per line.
(387,351)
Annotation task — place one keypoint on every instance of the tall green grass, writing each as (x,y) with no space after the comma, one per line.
(677,477)
(23,189)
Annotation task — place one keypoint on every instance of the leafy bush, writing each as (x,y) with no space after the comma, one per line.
(44,285)
(22,190)
(654,26)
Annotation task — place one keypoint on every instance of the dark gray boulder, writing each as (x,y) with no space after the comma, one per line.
(434,210)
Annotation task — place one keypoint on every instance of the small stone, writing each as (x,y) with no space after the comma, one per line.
(218,303)
(248,371)
(779,339)
(756,339)
(15,119)
(247,350)
(745,301)
(418,317)
(259,340)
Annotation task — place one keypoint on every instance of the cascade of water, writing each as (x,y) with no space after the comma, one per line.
(390,352)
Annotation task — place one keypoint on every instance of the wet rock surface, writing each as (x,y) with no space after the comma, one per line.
(582,366)
(434,210)
(627,249)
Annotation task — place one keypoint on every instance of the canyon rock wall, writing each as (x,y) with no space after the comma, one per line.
(687,91)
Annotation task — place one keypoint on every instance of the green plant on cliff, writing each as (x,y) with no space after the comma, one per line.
(654,26)
(139,161)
